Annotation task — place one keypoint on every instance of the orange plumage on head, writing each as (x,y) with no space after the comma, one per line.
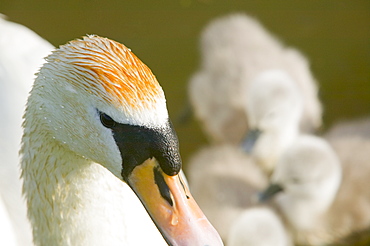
(114,68)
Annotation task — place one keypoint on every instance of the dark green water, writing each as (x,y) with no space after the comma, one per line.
(334,35)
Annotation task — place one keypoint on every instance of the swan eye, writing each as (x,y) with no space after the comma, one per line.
(107,121)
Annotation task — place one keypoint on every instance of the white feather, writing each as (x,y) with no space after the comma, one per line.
(21,54)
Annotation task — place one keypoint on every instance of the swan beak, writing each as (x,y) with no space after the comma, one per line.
(250,140)
(171,206)
(270,191)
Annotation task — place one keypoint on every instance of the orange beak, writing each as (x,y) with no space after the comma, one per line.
(171,206)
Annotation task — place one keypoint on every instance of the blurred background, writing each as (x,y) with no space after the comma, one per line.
(333,34)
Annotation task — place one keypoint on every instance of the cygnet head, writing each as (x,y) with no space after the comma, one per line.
(96,102)
(274,107)
(216,103)
(228,40)
(306,179)
(258,226)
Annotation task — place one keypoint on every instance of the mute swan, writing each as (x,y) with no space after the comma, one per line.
(320,204)
(234,50)
(274,107)
(96,116)
(21,54)
(258,226)
(231,185)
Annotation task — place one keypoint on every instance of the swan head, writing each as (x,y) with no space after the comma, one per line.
(305,180)
(274,108)
(96,98)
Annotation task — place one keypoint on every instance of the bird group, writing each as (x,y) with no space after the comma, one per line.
(99,157)
(273,179)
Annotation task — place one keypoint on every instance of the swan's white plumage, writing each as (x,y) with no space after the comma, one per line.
(21,54)
(8,236)
(234,50)
(71,199)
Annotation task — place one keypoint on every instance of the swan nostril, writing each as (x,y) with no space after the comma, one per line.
(162,186)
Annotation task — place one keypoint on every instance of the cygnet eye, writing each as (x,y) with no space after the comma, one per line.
(107,121)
